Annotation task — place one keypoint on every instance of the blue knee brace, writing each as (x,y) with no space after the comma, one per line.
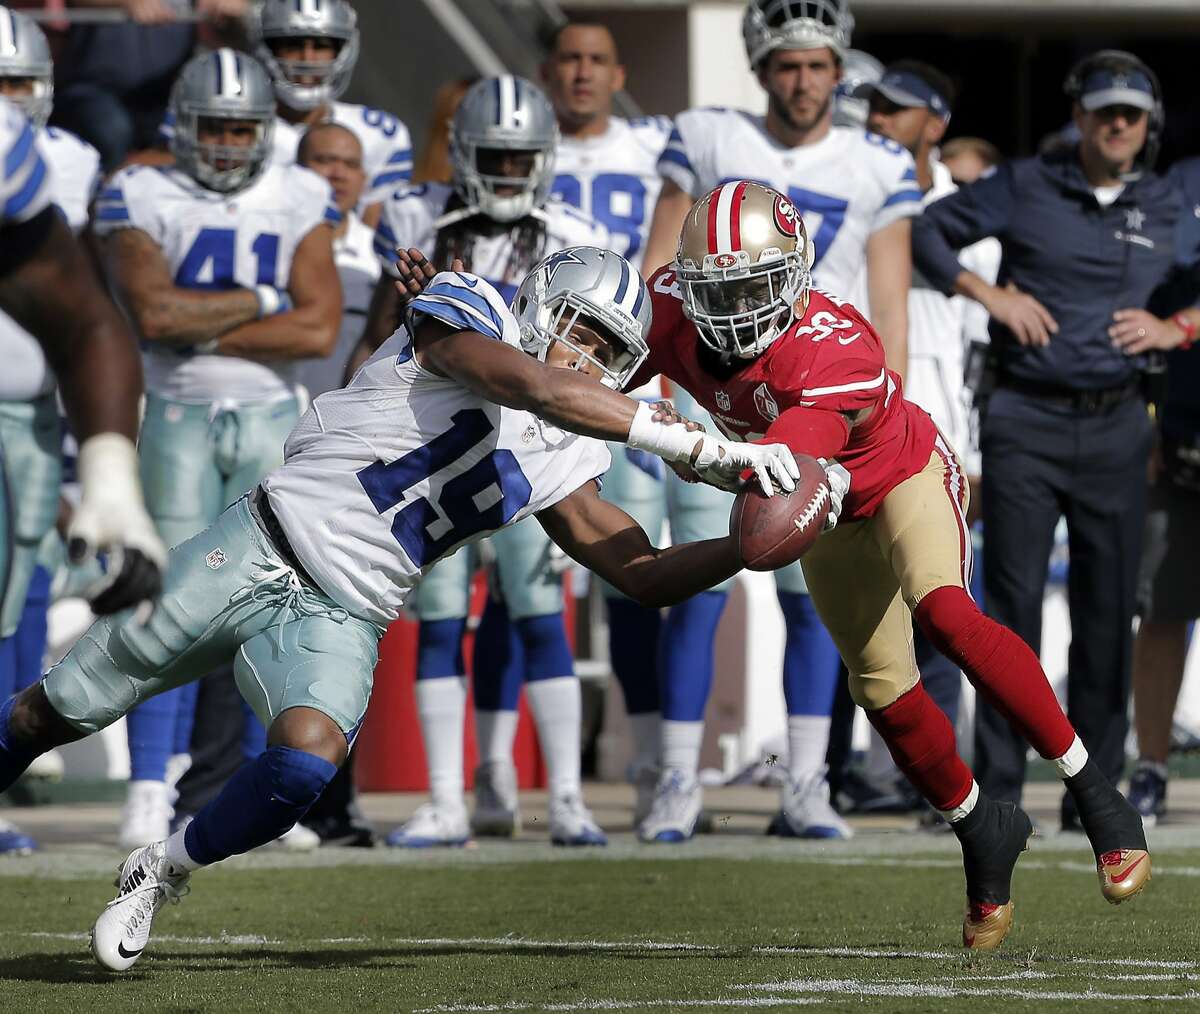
(258,804)
(811,663)
(439,648)
(633,633)
(685,656)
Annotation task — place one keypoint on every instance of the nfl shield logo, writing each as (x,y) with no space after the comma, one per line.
(765,403)
(723,401)
(216,558)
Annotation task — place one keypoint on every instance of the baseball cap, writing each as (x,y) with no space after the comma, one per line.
(905,89)
(1103,87)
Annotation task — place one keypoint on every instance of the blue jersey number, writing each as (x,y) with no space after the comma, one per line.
(496,480)
(386,123)
(618,203)
(213,255)
(810,204)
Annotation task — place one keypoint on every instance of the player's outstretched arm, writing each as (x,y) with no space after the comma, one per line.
(573,401)
(606,540)
(303,325)
(56,295)
(670,210)
(163,312)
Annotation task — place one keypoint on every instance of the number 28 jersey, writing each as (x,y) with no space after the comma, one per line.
(397,470)
(214,241)
(846,186)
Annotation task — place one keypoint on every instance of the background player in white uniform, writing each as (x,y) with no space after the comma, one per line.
(50,292)
(310,48)
(334,152)
(225,263)
(856,192)
(608,166)
(30,432)
(382,479)
(499,219)
(911,103)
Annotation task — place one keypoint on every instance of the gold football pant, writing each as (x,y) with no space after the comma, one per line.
(866,577)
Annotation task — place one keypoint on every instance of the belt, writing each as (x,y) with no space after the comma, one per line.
(260,508)
(1084,402)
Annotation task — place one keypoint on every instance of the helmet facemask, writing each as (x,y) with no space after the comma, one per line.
(307,84)
(795,24)
(740,308)
(201,159)
(39,101)
(555,321)
(481,180)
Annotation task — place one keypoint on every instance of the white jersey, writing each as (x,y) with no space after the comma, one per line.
(386,144)
(24,176)
(397,470)
(846,186)
(940,331)
(73,173)
(410,215)
(614,178)
(358,268)
(219,241)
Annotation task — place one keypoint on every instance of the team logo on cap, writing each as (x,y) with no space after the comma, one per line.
(785,216)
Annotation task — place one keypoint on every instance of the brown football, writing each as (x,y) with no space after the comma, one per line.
(775,531)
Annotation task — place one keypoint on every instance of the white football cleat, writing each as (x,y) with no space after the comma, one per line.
(645,782)
(145,883)
(430,827)
(497,813)
(675,809)
(48,766)
(805,811)
(146,815)
(571,823)
(298,838)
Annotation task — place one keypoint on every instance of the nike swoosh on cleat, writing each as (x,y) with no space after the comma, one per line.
(1116,878)
(128,954)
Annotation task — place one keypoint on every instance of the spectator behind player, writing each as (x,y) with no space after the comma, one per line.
(1066,430)
(224,306)
(968,158)
(1168,589)
(607,166)
(858,191)
(498,218)
(114,79)
(310,51)
(912,104)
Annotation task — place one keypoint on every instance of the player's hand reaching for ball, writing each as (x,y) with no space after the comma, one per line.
(773,465)
(415,272)
(839,485)
(112,519)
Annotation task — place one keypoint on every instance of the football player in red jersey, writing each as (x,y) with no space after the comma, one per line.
(738,324)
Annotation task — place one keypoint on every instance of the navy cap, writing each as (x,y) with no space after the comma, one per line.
(905,89)
(1117,88)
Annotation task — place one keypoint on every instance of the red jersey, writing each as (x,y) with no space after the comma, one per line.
(830,360)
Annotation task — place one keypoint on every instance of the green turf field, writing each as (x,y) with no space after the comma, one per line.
(522,927)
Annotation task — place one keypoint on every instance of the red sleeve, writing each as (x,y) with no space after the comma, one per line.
(811,431)
(667,305)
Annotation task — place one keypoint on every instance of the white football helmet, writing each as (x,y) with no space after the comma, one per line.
(743,263)
(598,287)
(300,84)
(796,24)
(858,68)
(25,53)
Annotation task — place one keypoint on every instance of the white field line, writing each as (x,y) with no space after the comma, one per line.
(528,943)
(931,991)
(584,1005)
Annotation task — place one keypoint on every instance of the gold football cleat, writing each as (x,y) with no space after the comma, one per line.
(1123,873)
(986,926)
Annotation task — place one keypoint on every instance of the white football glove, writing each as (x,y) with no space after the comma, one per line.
(839,486)
(112,519)
(773,465)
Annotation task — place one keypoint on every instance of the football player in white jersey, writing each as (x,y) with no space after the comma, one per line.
(497,217)
(856,192)
(434,444)
(608,166)
(911,103)
(225,263)
(44,165)
(310,48)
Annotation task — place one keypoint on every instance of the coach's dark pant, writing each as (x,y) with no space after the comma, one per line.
(1043,459)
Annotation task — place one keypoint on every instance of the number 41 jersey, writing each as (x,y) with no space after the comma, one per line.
(384,477)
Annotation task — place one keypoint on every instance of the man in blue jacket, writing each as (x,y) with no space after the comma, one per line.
(1087,234)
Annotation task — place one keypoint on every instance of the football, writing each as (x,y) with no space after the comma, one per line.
(777,530)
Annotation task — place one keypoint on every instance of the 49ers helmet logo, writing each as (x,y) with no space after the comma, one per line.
(785,216)
(725,260)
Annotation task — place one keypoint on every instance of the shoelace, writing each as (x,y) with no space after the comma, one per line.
(147,895)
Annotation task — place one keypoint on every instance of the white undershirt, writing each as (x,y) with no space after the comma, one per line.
(1106,195)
